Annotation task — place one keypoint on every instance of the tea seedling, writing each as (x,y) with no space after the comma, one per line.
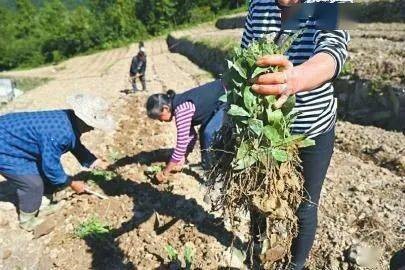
(92,227)
(102,175)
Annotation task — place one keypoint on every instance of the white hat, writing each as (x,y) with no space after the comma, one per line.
(93,111)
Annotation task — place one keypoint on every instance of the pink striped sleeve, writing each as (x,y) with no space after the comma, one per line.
(183,115)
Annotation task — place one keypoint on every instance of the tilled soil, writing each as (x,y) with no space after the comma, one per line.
(362,201)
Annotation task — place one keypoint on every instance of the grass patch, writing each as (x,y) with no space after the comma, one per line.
(92,227)
(225,44)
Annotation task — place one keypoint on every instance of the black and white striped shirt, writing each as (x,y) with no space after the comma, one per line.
(317,107)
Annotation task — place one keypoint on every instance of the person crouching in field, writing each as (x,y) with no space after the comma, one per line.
(31,146)
(198,106)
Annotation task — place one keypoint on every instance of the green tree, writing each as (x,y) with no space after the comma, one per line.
(157,15)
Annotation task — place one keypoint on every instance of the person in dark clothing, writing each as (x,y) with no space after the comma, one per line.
(198,106)
(138,69)
(31,146)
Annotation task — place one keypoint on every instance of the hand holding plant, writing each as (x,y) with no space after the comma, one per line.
(259,169)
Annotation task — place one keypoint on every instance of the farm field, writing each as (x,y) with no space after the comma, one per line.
(362,204)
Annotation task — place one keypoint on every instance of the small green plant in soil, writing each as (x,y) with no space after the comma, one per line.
(188,257)
(261,172)
(154,169)
(172,253)
(114,155)
(98,176)
(173,257)
(92,227)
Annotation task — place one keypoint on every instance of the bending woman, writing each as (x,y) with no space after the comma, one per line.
(198,106)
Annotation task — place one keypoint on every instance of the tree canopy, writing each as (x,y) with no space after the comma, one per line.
(38,32)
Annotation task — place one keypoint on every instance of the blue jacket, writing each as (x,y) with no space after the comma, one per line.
(32,143)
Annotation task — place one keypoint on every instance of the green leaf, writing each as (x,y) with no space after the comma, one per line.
(172,253)
(249,99)
(279,155)
(241,71)
(288,42)
(251,60)
(256,126)
(236,83)
(223,98)
(243,150)
(235,110)
(272,134)
(275,117)
(229,63)
(258,71)
(293,139)
(288,105)
(264,155)
(237,51)
(188,256)
(305,143)
(245,162)
(270,100)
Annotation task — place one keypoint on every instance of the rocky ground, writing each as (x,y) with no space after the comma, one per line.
(362,206)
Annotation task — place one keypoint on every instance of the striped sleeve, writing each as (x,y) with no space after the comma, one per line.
(183,115)
(335,44)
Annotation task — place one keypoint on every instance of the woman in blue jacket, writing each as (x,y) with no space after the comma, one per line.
(31,146)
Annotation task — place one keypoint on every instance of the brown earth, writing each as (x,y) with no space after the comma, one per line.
(362,202)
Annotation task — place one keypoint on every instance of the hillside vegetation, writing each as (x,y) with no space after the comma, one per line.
(38,32)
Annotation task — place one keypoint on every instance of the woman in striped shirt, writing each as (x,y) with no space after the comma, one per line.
(314,60)
(198,106)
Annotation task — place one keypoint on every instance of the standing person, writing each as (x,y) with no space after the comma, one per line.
(31,146)
(312,63)
(198,106)
(138,68)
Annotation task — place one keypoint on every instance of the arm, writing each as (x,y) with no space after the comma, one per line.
(133,68)
(83,155)
(328,60)
(52,168)
(193,140)
(51,165)
(143,68)
(184,115)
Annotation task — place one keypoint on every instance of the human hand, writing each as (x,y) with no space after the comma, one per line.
(161,177)
(78,186)
(287,3)
(99,164)
(177,168)
(281,83)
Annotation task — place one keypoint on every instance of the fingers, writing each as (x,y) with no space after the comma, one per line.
(274,60)
(272,78)
(269,89)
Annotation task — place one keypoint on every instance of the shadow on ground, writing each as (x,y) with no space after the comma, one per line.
(149,199)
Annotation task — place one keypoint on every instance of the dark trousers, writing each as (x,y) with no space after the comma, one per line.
(208,135)
(315,163)
(143,82)
(30,189)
